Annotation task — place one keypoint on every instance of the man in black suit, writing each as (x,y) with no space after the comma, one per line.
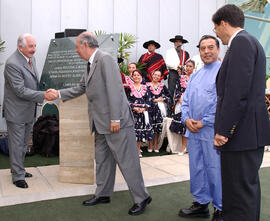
(242,127)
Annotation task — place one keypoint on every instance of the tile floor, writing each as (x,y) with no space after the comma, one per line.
(44,184)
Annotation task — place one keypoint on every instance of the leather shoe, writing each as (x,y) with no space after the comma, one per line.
(217,216)
(138,208)
(20,184)
(96,200)
(27,175)
(196,210)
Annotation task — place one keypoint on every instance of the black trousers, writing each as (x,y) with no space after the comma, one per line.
(241,193)
(172,81)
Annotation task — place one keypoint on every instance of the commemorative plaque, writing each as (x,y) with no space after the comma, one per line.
(63,67)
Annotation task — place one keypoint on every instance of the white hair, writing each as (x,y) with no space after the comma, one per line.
(21,39)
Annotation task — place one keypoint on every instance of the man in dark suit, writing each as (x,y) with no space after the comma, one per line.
(242,127)
(20,98)
(111,119)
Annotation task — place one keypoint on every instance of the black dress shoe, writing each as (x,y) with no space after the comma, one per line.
(196,210)
(20,184)
(138,208)
(96,200)
(27,175)
(217,216)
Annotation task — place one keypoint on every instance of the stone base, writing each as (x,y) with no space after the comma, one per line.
(76,142)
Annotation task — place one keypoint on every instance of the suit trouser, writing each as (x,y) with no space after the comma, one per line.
(172,81)
(205,174)
(18,138)
(241,191)
(120,148)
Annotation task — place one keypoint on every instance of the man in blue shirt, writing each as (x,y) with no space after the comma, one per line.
(198,114)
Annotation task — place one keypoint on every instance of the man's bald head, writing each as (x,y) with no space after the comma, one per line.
(89,38)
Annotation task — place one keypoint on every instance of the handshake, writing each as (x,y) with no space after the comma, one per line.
(51,94)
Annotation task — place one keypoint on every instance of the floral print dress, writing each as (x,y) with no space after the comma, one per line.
(141,98)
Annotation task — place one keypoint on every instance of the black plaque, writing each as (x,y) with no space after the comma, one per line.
(59,35)
(63,67)
(73,32)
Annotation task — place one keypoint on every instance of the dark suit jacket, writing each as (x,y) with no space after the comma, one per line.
(241,113)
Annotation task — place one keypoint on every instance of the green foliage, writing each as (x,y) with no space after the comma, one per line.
(99,32)
(2,47)
(140,66)
(126,41)
(256,6)
(124,68)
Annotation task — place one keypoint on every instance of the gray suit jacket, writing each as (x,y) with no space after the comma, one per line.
(105,92)
(20,93)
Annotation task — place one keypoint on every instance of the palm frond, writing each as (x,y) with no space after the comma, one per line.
(99,32)
(124,68)
(140,66)
(126,41)
(2,48)
(256,6)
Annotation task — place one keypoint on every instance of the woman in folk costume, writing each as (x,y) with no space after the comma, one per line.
(159,96)
(140,102)
(176,125)
(127,79)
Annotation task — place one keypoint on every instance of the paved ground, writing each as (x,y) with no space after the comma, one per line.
(44,184)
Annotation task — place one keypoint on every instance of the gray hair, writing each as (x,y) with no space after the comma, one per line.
(89,38)
(21,39)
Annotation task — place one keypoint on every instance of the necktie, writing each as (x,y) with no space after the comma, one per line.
(88,67)
(30,64)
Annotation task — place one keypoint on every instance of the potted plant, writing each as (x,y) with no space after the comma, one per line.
(126,41)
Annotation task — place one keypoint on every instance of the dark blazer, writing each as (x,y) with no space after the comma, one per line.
(241,113)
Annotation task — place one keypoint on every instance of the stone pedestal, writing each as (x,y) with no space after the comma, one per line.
(76,142)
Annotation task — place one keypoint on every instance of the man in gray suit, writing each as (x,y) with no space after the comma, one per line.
(20,97)
(111,119)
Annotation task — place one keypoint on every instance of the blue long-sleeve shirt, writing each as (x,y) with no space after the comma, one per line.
(200,99)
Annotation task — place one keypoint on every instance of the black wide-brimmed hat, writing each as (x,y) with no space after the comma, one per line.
(146,44)
(177,38)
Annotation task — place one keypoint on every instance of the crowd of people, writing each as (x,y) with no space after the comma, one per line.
(150,99)
(220,109)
